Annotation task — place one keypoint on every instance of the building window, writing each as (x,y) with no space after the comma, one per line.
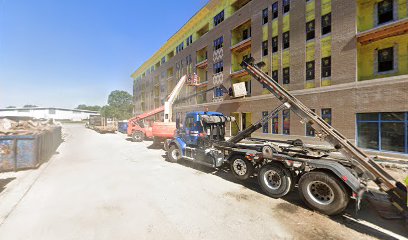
(218,92)
(286,6)
(327,115)
(218,67)
(310,70)
(264,16)
(286,42)
(383,131)
(386,59)
(51,111)
(275,12)
(246,33)
(286,75)
(310,30)
(275,44)
(265,48)
(286,121)
(326,24)
(218,43)
(163,60)
(265,127)
(275,75)
(310,132)
(385,11)
(326,67)
(275,124)
(179,48)
(189,40)
(219,18)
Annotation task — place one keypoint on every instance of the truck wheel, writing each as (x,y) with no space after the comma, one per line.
(137,137)
(241,168)
(275,180)
(173,154)
(323,193)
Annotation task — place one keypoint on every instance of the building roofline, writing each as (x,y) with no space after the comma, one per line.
(146,63)
(47,108)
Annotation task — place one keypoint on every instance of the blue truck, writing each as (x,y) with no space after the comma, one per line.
(327,178)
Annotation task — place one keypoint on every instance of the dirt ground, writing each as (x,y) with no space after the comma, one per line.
(106,187)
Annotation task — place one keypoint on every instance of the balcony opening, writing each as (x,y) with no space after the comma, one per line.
(237,58)
(170,55)
(241,34)
(239,4)
(203,30)
(202,56)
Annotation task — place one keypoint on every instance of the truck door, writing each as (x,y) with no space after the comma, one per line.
(190,131)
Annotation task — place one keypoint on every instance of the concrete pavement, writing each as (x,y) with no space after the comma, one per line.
(104,187)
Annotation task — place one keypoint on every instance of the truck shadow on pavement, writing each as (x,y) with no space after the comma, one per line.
(4,182)
(351,219)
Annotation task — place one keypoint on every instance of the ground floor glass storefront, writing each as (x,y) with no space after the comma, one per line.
(383,131)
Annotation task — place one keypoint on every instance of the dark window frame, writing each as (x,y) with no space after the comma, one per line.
(310,30)
(326,25)
(310,70)
(265,48)
(385,66)
(218,43)
(327,113)
(265,127)
(286,75)
(265,16)
(286,127)
(286,42)
(219,18)
(275,10)
(285,6)
(275,44)
(326,67)
(275,124)
(310,131)
(386,16)
(275,75)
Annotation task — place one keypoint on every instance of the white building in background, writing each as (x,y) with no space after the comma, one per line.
(47,113)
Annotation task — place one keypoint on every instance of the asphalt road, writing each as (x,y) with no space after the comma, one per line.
(105,187)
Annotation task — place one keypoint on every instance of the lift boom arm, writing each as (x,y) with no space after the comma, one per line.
(396,190)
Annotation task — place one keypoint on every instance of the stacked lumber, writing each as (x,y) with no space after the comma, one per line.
(9,127)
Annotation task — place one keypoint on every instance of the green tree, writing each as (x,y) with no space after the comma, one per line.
(120,105)
(11,107)
(29,106)
(89,108)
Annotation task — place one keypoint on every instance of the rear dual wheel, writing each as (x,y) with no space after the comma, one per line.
(323,192)
(275,180)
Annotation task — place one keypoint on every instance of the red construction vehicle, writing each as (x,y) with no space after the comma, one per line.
(160,131)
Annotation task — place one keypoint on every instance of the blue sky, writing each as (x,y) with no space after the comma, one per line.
(66,53)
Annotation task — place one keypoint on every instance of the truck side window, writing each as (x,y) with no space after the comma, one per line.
(189,122)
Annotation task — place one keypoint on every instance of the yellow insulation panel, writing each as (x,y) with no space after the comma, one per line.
(275,29)
(326,7)
(285,59)
(326,46)
(275,62)
(310,51)
(310,10)
(367,57)
(286,23)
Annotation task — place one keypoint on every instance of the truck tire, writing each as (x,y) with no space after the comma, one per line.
(173,154)
(323,192)
(275,180)
(241,168)
(137,137)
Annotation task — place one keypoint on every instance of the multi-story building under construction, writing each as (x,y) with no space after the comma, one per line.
(345,59)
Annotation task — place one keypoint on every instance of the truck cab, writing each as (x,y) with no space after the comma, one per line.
(193,140)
